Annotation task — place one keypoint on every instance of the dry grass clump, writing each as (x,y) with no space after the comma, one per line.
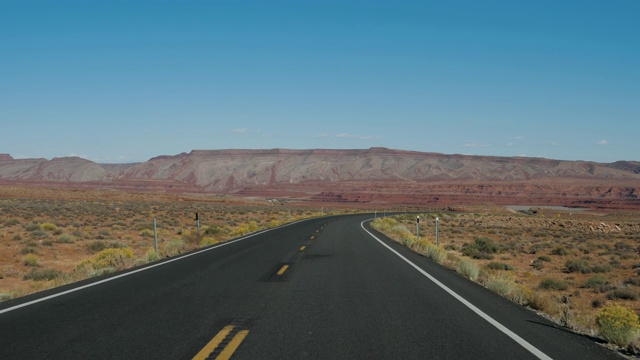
(435,253)
(150,256)
(503,282)
(469,269)
(173,247)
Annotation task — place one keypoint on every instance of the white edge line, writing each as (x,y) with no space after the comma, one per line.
(140,270)
(532,349)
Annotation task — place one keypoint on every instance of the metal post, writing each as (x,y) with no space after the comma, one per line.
(155,234)
(437,237)
(198,226)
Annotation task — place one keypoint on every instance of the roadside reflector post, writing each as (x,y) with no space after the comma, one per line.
(155,235)
(418,228)
(437,237)
(198,226)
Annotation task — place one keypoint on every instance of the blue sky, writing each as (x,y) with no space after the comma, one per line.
(124,81)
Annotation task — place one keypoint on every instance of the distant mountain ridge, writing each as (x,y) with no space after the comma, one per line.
(237,171)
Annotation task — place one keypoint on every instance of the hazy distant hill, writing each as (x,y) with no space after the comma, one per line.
(316,172)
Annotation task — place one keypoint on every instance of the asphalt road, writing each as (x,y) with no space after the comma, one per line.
(318,289)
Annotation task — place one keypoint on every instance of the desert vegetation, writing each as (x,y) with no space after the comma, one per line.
(580,269)
(49,242)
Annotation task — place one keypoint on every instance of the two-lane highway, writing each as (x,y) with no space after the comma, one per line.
(319,289)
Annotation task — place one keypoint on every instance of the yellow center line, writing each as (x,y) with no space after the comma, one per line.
(213,344)
(282,270)
(233,345)
(302,248)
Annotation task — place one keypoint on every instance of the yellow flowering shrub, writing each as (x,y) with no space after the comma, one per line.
(206,241)
(49,227)
(104,262)
(239,230)
(112,258)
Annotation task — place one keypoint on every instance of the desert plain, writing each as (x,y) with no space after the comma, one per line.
(578,260)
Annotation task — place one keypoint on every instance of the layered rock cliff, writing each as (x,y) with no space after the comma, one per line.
(336,175)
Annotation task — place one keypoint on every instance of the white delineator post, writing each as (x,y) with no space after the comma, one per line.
(198,226)
(155,235)
(418,228)
(437,223)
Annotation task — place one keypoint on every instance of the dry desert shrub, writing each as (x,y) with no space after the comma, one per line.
(173,247)
(31,260)
(560,251)
(7,295)
(65,239)
(41,275)
(635,281)
(151,256)
(104,262)
(599,284)
(499,266)
(434,253)
(543,302)
(503,283)
(553,284)
(451,261)
(146,233)
(49,226)
(623,294)
(207,241)
(29,249)
(12,222)
(481,248)
(113,257)
(469,269)
(32,227)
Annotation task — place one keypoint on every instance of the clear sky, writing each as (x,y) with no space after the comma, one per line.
(124,81)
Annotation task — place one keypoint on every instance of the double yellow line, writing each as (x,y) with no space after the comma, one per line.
(228,350)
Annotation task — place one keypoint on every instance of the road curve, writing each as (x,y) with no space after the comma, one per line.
(318,289)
